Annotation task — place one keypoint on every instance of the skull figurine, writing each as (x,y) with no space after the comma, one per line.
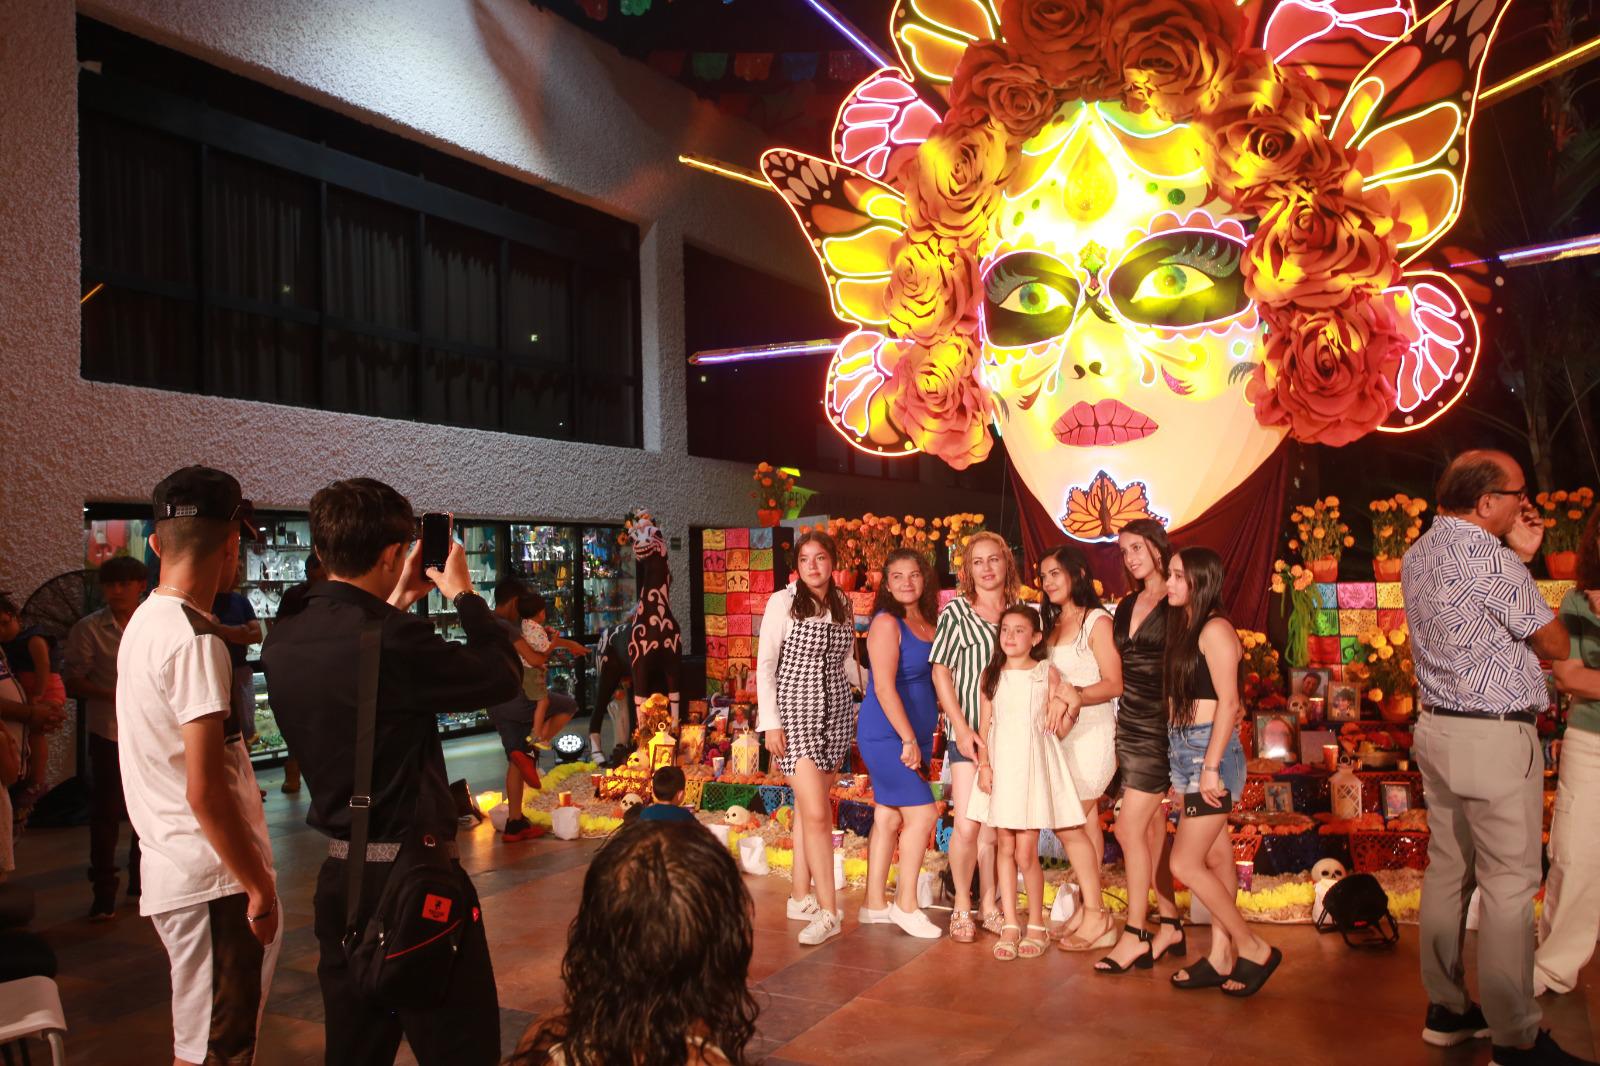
(1300,707)
(632,799)
(1327,870)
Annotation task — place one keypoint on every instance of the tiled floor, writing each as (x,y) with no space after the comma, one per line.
(872,995)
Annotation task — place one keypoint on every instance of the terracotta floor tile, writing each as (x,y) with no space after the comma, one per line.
(821,982)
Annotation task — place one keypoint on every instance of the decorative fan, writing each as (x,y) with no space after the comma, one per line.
(61,601)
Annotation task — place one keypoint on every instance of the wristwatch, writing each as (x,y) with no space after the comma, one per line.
(1213,769)
(455,601)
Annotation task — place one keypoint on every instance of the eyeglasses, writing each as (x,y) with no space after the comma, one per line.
(1521,493)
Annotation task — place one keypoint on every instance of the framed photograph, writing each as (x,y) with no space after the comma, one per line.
(1277,736)
(1344,703)
(1396,799)
(1280,797)
(1309,681)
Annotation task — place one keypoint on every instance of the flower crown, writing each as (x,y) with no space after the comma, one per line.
(1318,265)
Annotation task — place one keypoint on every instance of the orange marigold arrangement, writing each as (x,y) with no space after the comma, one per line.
(1396,522)
(1318,264)
(775,488)
(1320,532)
(1564,513)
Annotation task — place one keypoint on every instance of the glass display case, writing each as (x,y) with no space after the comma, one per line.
(483,543)
(271,565)
(608,580)
(546,558)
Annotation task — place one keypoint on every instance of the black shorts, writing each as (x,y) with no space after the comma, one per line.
(513,720)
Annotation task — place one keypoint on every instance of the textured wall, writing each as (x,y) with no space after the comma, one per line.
(497,81)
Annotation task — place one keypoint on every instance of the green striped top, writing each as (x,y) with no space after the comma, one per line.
(963,643)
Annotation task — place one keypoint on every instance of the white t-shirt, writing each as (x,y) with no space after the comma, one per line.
(537,636)
(173,669)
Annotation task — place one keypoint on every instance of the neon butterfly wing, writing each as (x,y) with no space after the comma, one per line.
(1445,304)
(852,223)
(1100,511)
(1409,111)
(931,36)
(880,124)
(1333,40)
(856,399)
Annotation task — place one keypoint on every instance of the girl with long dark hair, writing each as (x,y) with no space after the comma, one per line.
(1024,783)
(658,959)
(1140,632)
(1083,717)
(894,734)
(963,644)
(1201,676)
(804,670)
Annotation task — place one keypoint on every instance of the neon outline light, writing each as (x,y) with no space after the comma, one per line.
(1474,336)
(760,352)
(1534,75)
(855,36)
(725,170)
(1340,21)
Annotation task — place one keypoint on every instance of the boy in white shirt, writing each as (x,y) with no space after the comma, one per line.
(206,860)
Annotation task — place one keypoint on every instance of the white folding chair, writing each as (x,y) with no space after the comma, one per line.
(32,1007)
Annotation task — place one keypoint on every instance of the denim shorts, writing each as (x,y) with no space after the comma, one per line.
(1186,751)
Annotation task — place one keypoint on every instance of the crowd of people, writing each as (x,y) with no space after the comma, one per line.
(1046,708)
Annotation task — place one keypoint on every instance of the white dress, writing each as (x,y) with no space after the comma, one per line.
(1091,744)
(1032,782)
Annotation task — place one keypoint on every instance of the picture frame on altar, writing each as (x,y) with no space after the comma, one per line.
(1344,703)
(1279,797)
(1311,682)
(1395,800)
(1277,736)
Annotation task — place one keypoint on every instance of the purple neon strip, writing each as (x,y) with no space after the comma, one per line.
(1552,250)
(823,8)
(745,355)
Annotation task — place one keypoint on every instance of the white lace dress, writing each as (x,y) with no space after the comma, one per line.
(1091,745)
(1032,782)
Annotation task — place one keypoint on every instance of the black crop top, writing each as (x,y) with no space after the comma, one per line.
(1204,689)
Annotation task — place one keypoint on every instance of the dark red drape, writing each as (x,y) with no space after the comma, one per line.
(1242,527)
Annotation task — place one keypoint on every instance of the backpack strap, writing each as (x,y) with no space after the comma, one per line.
(361,795)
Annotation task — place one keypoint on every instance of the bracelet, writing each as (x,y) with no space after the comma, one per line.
(1213,769)
(254,918)
(908,743)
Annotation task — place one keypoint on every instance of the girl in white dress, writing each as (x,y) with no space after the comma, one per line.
(1083,653)
(1024,783)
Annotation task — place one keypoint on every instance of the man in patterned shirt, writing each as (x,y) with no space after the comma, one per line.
(1480,627)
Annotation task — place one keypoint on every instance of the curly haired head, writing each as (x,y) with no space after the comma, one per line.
(659,954)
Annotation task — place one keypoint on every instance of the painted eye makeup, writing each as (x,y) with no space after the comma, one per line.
(1029,298)
(1180,278)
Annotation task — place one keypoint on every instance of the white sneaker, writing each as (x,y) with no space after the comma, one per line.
(914,923)
(868,916)
(825,926)
(803,910)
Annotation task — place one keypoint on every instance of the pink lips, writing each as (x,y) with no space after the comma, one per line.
(1106,423)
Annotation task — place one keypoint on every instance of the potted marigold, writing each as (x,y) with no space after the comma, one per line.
(1396,522)
(1322,537)
(879,536)
(1383,666)
(959,530)
(776,494)
(1564,514)
(1293,583)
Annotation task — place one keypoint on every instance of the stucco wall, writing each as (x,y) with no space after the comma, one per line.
(496,81)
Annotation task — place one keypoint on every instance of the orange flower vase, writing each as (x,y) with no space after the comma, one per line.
(1397,709)
(769,516)
(845,580)
(1386,570)
(874,579)
(1325,571)
(1563,566)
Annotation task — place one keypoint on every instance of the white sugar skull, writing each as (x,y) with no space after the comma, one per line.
(1327,870)
(631,800)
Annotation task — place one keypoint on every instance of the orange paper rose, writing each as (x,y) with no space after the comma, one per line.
(1062,38)
(930,291)
(1317,250)
(937,401)
(1015,94)
(1329,373)
(1172,55)
(953,184)
(1265,137)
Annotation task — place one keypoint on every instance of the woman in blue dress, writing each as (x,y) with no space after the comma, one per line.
(895,737)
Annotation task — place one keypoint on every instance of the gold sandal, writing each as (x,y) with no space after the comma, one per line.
(1031,947)
(1006,950)
(1103,942)
(993,922)
(963,930)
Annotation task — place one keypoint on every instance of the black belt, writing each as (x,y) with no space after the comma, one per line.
(1525,717)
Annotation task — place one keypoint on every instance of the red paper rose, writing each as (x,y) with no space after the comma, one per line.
(1062,38)
(1328,374)
(991,79)
(1265,136)
(953,185)
(1172,55)
(930,291)
(936,399)
(1319,249)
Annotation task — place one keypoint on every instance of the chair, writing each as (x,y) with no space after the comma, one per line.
(32,1007)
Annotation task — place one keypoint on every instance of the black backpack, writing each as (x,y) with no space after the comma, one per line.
(1358,908)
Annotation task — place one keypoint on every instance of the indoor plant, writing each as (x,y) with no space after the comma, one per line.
(1564,514)
(1396,522)
(1321,537)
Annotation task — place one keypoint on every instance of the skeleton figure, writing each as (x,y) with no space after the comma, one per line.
(655,643)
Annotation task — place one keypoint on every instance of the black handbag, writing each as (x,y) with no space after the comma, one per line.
(404,954)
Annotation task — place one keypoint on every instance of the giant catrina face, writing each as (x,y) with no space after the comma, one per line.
(1112,304)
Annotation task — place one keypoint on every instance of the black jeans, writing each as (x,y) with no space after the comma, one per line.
(463,1030)
(107,812)
(614,670)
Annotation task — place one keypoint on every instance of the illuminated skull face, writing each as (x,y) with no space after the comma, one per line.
(1116,331)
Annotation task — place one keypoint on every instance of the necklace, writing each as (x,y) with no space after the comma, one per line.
(182,595)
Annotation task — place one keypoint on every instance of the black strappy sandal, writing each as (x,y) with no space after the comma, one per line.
(1141,961)
(1179,947)
(1201,975)
(1252,975)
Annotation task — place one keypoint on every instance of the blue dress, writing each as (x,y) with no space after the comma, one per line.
(892,783)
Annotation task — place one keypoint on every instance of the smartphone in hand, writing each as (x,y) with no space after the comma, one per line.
(436,527)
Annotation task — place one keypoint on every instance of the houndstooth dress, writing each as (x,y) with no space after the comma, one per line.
(814,705)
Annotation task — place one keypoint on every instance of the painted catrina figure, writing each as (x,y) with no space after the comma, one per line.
(804,670)
(1112,228)
(655,643)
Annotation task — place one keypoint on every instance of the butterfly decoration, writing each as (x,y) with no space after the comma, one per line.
(1100,511)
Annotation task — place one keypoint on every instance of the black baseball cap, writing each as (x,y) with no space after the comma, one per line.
(203,492)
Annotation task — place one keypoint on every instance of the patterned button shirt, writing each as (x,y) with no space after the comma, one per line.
(1471,605)
(963,643)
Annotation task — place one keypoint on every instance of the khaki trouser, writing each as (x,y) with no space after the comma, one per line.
(1572,893)
(1483,780)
